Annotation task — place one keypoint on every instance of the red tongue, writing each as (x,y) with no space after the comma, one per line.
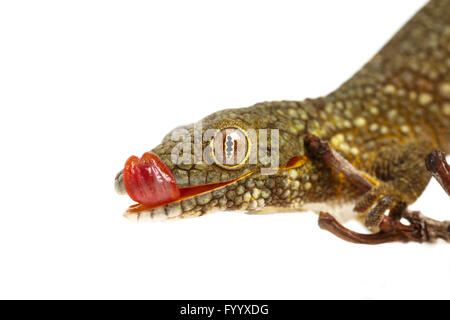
(149,181)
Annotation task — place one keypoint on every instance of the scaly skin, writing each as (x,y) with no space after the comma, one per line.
(384,120)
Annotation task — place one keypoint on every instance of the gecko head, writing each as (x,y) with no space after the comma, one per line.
(234,159)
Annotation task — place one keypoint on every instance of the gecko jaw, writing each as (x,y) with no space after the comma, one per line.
(166,211)
(174,209)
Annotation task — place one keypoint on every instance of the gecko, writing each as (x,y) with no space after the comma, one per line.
(384,121)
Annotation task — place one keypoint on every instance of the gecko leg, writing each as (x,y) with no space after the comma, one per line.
(421,228)
(400,176)
(403,177)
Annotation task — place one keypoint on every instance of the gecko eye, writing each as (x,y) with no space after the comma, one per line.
(230,148)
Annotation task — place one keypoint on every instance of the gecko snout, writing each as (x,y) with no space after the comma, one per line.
(118,184)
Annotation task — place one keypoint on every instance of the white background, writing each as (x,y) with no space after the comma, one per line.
(85,84)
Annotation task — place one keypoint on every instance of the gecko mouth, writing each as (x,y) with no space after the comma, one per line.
(150,183)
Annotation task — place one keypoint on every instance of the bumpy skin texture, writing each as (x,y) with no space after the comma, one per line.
(384,120)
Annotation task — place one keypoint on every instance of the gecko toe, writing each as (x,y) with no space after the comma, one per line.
(376,202)
(376,214)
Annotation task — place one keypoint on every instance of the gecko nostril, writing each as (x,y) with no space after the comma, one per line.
(118,184)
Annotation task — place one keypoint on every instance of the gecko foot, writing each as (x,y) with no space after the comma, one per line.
(375,203)
(391,230)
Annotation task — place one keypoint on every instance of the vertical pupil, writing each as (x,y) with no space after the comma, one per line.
(230,145)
